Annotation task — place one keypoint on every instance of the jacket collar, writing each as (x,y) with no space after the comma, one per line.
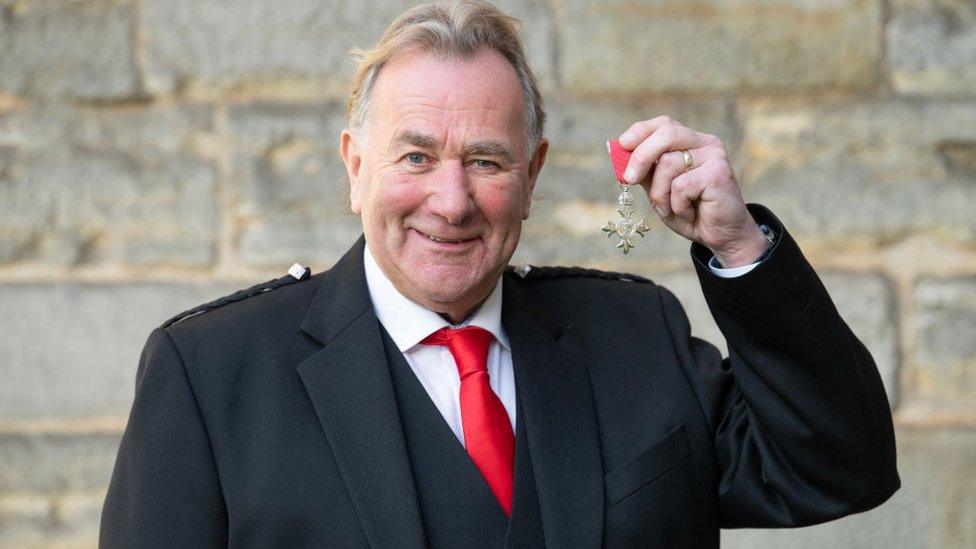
(560,422)
(349,383)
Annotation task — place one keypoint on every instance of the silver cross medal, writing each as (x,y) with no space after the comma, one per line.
(626,227)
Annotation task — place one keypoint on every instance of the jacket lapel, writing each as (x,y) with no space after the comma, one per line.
(560,424)
(349,384)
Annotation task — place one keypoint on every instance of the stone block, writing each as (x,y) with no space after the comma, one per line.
(76,49)
(57,462)
(24,519)
(933,508)
(119,185)
(932,46)
(865,302)
(35,521)
(627,46)
(227,43)
(842,173)
(291,184)
(72,349)
(945,351)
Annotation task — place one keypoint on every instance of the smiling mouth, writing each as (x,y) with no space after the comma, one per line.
(440,240)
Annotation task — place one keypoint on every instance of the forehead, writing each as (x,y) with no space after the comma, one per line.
(437,92)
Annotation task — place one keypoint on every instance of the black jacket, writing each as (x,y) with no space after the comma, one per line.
(271,421)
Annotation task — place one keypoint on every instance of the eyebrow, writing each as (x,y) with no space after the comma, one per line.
(415,139)
(488,147)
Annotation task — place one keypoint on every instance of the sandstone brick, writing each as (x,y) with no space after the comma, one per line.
(123,185)
(660,46)
(291,184)
(866,302)
(54,463)
(85,341)
(76,49)
(934,507)
(30,520)
(23,519)
(226,43)
(945,317)
(839,172)
(932,46)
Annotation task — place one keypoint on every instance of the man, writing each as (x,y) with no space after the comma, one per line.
(420,393)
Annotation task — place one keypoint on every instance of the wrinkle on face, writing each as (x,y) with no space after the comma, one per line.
(445,157)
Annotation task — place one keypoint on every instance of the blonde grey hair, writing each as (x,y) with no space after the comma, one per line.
(460,29)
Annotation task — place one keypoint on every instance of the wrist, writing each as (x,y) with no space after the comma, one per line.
(745,251)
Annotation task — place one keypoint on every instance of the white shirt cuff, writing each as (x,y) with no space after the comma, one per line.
(729,273)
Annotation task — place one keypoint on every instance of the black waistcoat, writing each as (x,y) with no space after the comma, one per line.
(458,508)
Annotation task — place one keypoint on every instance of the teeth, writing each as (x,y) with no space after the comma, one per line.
(435,239)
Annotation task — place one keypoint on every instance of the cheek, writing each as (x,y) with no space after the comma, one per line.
(503,207)
(394,198)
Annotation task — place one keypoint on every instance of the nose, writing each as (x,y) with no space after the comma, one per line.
(450,197)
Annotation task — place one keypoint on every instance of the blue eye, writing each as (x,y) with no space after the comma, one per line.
(416,158)
(481,163)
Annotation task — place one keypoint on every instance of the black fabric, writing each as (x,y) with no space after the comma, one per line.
(273,421)
(458,508)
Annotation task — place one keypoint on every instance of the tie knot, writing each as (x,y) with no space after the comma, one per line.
(468,345)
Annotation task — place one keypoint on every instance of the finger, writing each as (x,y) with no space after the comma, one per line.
(638,131)
(666,138)
(687,189)
(669,166)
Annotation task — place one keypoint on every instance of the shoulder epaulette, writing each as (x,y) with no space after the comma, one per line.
(529,272)
(295,273)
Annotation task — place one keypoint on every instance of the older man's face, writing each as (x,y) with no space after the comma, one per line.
(443,179)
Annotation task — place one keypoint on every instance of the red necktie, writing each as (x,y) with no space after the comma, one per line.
(487,430)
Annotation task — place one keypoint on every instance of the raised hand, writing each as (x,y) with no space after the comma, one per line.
(700,200)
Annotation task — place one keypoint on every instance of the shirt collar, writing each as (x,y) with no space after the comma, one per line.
(408,322)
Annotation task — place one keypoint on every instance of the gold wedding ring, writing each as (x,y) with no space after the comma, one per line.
(689,161)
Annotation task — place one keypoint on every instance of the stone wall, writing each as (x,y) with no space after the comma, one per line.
(158,153)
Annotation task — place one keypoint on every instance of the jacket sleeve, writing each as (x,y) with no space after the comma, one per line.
(164,490)
(801,425)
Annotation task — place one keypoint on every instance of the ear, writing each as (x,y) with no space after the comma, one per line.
(351,154)
(535,166)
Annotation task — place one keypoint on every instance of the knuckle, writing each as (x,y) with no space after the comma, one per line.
(673,161)
(659,193)
(723,170)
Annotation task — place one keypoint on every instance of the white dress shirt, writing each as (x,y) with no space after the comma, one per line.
(408,323)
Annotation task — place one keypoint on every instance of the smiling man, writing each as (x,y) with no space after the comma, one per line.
(422,393)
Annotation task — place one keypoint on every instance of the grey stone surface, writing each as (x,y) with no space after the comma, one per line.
(25,520)
(72,350)
(121,185)
(224,43)
(933,508)
(945,317)
(874,170)
(713,45)
(35,521)
(932,46)
(866,302)
(56,463)
(78,49)
(291,184)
